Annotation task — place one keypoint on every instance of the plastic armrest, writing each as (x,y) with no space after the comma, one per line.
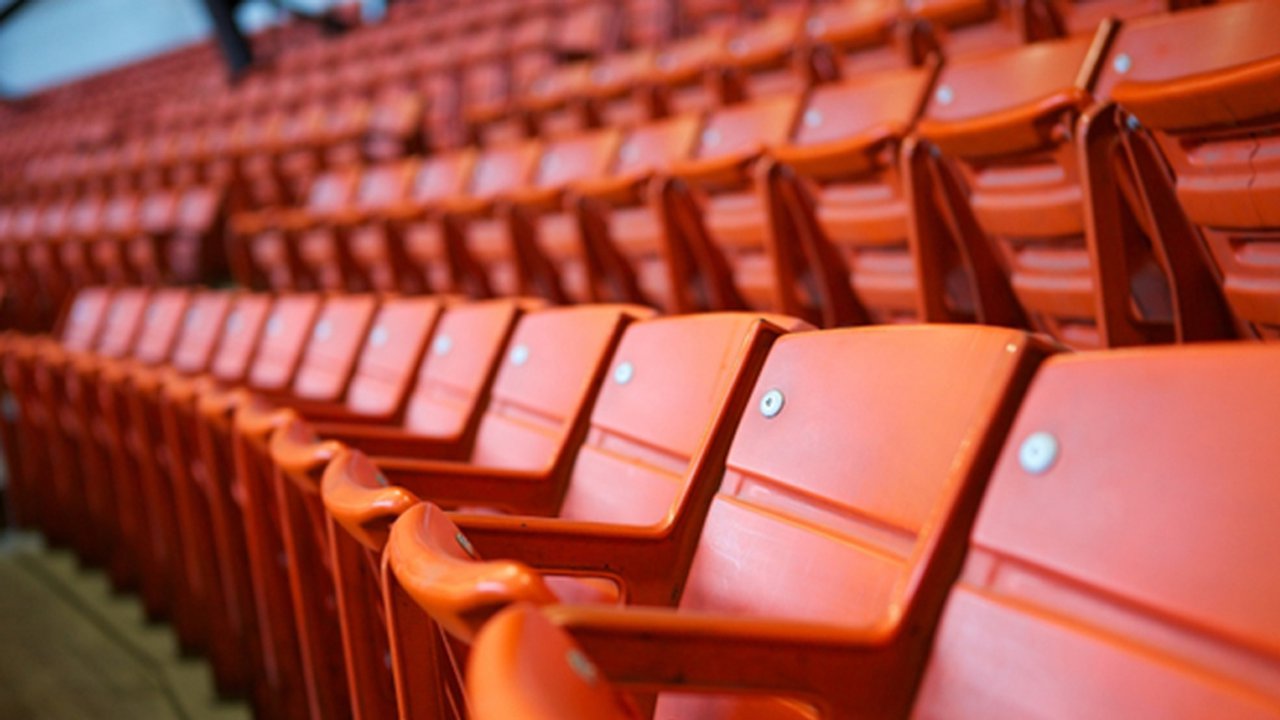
(395,442)
(454,484)
(666,648)
(544,199)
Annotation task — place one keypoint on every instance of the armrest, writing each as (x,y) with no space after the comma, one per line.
(1017,129)
(1226,97)
(467,206)
(844,157)
(360,500)
(437,566)
(382,440)
(301,455)
(454,484)
(667,648)
(731,169)
(522,666)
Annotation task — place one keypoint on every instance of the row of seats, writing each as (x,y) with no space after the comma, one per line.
(356,504)
(1079,187)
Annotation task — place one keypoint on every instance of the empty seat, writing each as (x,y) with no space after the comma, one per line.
(1084,593)
(1196,81)
(838,190)
(878,508)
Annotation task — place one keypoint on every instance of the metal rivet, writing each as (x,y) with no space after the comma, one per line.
(274,326)
(623,373)
(379,336)
(944,95)
(1011,347)
(584,668)
(1123,63)
(772,402)
(465,544)
(1132,123)
(442,345)
(711,137)
(519,355)
(812,117)
(323,331)
(1038,453)
(382,480)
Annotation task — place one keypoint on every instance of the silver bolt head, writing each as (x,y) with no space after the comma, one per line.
(771,403)
(1038,453)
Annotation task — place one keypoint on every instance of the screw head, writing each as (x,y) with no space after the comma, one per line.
(1038,453)
(519,355)
(582,666)
(1122,63)
(944,95)
(711,137)
(442,345)
(323,331)
(812,117)
(623,373)
(771,403)
(379,336)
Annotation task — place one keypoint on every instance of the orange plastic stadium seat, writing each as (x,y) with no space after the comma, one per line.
(617,93)
(1080,222)
(851,38)
(1052,18)
(826,554)
(281,250)
(128,520)
(719,208)
(179,236)
(195,461)
(623,219)
(486,260)
(838,190)
(537,405)
(67,383)
(27,451)
(535,224)
(766,58)
(627,431)
(1085,593)
(1202,83)
(682,76)
(72,237)
(417,225)
(962,27)
(378,258)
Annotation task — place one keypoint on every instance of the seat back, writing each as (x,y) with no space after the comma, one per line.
(85,319)
(284,337)
(442,175)
(889,101)
(335,342)
(161,324)
(1112,569)
(579,157)
(331,191)
(668,380)
(391,355)
(502,169)
(245,321)
(861,453)
(655,146)
(124,320)
(202,325)
(747,128)
(545,383)
(384,185)
(459,366)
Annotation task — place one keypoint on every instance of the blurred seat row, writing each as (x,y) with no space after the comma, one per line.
(363,505)
(1110,187)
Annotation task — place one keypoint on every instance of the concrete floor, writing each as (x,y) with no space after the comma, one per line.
(71,649)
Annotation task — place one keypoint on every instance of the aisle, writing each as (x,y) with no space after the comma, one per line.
(73,650)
